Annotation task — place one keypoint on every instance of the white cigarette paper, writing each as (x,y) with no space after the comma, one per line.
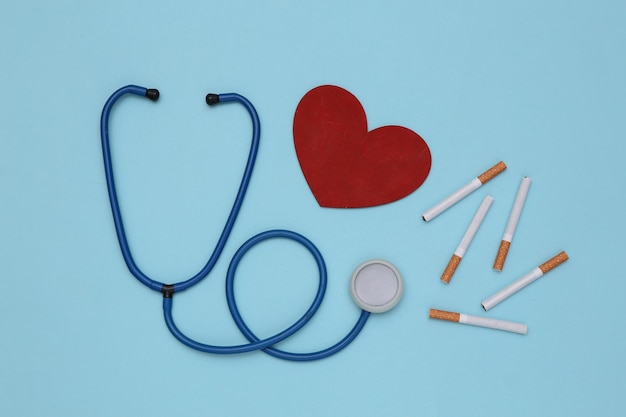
(505,293)
(474,225)
(516,211)
(461,318)
(508,326)
(464,191)
(467,239)
(527,279)
(451,200)
(511,225)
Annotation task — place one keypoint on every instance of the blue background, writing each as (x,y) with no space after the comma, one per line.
(537,84)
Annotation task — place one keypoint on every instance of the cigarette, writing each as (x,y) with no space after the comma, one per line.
(532,276)
(464,191)
(511,225)
(467,239)
(508,326)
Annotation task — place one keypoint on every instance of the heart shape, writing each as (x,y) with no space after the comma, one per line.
(345,165)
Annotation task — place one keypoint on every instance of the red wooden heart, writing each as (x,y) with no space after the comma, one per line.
(345,165)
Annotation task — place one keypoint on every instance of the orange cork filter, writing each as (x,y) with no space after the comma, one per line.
(452,265)
(554,262)
(503,251)
(492,172)
(444,315)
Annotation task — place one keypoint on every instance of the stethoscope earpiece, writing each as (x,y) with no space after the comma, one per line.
(152,94)
(212,99)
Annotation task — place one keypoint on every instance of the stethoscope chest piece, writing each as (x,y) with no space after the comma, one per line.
(376,286)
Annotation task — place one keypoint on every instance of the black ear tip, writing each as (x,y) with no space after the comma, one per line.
(152,94)
(212,99)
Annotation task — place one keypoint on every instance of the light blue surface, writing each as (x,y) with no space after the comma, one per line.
(540,85)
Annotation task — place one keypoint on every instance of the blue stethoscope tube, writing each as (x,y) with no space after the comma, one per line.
(168,290)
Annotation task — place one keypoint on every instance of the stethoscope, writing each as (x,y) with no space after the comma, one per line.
(376,285)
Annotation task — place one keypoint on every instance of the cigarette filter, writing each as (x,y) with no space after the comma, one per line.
(532,276)
(511,225)
(508,326)
(464,191)
(467,239)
